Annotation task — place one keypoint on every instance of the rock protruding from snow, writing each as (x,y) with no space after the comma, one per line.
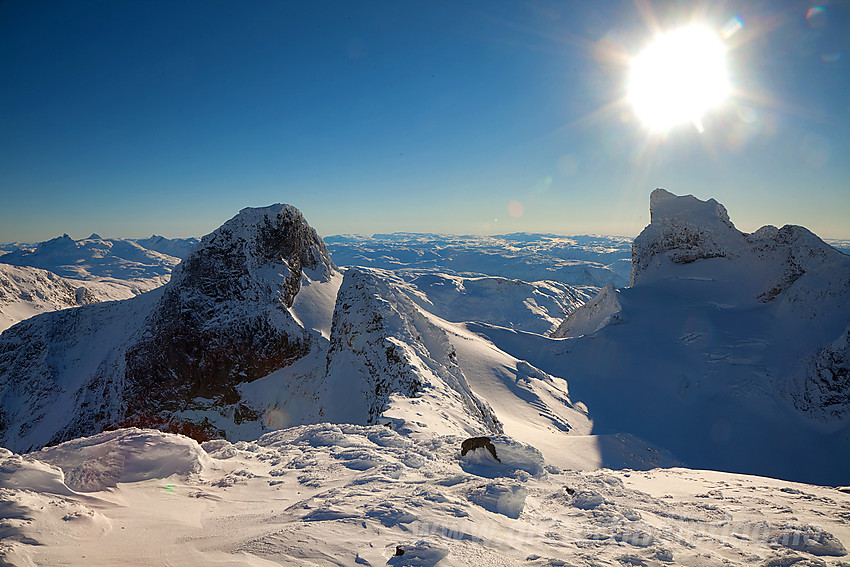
(766,263)
(599,312)
(682,230)
(125,455)
(382,343)
(825,390)
(225,318)
(740,338)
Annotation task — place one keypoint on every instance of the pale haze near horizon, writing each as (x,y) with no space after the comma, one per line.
(128,119)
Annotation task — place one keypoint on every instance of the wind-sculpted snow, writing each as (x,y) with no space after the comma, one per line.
(336,494)
(91,464)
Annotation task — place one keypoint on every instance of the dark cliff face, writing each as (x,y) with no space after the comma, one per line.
(224,320)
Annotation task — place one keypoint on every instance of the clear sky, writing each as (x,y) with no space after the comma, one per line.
(128,118)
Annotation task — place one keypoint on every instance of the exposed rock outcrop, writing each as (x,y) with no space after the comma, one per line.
(172,358)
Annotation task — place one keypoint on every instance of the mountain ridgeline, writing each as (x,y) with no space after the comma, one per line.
(730,350)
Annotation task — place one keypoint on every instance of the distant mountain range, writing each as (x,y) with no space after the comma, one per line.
(573,260)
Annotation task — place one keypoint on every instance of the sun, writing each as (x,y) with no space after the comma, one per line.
(679,77)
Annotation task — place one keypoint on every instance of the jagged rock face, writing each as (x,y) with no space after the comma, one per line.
(60,373)
(825,390)
(383,344)
(224,320)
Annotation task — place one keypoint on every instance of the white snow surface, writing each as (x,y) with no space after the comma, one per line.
(593,315)
(176,247)
(325,494)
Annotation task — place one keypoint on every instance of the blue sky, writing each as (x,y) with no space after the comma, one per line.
(128,118)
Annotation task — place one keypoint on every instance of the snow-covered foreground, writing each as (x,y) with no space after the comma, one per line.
(353,495)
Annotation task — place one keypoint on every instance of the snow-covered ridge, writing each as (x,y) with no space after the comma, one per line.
(595,314)
(25,292)
(94,257)
(684,229)
(383,344)
(176,247)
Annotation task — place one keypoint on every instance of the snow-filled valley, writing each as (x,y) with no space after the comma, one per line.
(329,388)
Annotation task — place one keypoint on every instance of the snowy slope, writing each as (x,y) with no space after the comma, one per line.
(25,292)
(537,307)
(730,350)
(325,495)
(392,361)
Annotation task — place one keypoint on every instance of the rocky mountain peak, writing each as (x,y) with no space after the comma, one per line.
(683,229)
(259,251)
(225,318)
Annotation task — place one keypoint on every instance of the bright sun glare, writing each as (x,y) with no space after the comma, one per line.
(678,78)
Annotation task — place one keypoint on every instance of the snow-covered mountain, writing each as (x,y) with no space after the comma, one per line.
(176,247)
(258,330)
(229,315)
(573,260)
(536,307)
(730,349)
(481,297)
(110,268)
(25,292)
